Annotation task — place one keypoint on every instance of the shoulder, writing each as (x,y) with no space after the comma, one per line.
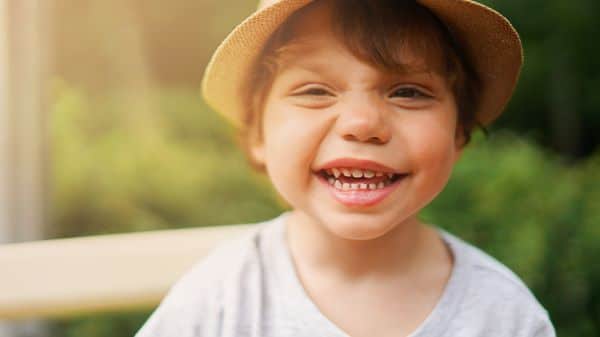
(194,305)
(495,295)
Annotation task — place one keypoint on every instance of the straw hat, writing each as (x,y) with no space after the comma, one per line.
(490,42)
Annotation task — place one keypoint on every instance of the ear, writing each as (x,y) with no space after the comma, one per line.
(458,151)
(257,151)
(460,142)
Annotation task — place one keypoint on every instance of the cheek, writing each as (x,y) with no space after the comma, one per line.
(432,151)
(291,141)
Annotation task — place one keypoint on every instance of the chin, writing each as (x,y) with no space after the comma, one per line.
(358,228)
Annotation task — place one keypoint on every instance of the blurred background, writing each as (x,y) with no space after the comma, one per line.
(103,130)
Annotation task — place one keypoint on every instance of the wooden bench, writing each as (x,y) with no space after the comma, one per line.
(65,277)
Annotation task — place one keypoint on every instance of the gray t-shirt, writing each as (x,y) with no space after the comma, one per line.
(249,288)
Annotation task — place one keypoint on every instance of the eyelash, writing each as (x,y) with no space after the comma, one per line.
(314,92)
(416,91)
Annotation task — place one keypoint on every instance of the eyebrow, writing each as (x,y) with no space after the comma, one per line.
(313,67)
(323,68)
(292,56)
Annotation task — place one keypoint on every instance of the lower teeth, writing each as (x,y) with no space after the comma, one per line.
(357,186)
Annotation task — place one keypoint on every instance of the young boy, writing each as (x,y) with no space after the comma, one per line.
(357,110)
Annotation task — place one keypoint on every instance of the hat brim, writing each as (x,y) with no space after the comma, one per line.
(490,43)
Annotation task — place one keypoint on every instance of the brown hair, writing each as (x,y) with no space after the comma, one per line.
(374,31)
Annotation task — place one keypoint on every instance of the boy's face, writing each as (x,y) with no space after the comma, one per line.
(327,109)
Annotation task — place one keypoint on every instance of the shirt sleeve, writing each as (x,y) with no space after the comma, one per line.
(543,327)
(190,309)
(194,306)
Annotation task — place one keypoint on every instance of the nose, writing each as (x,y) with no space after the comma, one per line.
(363,120)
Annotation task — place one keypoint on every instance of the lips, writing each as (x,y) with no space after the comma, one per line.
(357,182)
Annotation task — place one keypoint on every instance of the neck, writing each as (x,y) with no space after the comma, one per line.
(395,253)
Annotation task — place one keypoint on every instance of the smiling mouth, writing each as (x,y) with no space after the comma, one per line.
(353,179)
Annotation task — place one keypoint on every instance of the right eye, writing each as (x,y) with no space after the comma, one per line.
(314,91)
(313,96)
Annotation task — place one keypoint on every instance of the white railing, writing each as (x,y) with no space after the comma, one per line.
(64,277)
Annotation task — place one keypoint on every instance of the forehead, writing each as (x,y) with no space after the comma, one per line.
(323,55)
(401,46)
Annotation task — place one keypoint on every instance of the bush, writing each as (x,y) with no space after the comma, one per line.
(120,166)
(124,164)
(536,215)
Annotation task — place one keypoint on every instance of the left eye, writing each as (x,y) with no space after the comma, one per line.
(409,92)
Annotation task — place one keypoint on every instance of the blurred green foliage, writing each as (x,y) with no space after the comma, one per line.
(124,164)
(556,101)
(164,160)
(538,216)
